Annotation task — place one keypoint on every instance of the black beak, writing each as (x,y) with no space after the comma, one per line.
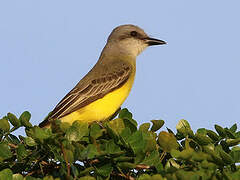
(152,41)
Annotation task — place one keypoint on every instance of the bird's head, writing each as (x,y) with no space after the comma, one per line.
(131,39)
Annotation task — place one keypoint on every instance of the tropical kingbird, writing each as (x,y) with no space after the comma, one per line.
(101,92)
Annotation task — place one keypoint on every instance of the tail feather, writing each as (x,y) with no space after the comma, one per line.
(45,123)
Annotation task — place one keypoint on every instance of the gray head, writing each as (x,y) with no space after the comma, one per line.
(131,39)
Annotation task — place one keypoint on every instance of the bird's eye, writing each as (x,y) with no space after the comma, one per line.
(133,33)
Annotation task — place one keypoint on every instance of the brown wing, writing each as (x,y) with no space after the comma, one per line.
(91,89)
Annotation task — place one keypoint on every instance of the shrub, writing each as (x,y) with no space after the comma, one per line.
(117,149)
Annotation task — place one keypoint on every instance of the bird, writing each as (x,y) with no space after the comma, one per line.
(102,91)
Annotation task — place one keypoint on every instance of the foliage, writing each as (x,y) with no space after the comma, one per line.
(117,149)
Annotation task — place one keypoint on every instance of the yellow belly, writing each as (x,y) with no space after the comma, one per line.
(103,108)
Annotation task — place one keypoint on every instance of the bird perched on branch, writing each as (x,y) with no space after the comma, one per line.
(101,92)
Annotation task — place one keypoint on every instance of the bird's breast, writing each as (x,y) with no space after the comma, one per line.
(102,108)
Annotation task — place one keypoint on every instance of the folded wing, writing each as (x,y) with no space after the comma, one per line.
(88,91)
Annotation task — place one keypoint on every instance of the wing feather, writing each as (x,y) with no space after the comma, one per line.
(93,89)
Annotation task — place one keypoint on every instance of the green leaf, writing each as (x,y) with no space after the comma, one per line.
(157,177)
(131,124)
(128,120)
(17,177)
(124,136)
(233,128)
(69,155)
(13,120)
(87,178)
(159,166)
(157,124)
(151,159)
(171,165)
(89,152)
(139,157)
(21,152)
(223,146)
(189,175)
(179,136)
(226,157)
(4,125)
(95,131)
(5,152)
(105,170)
(175,153)
(167,141)
(216,158)
(233,142)
(212,135)
(41,133)
(200,156)
(186,154)
(202,140)
(64,126)
(220,131)
(25,118)
(144,127)
(13,139)
(6,174)
(208,165)
(112,133)
(237,134)
(229,133)
(30,141)
(235,154)
(77,131)
(184,128)
(117,125)
(74,170)
(86,171)
(46,178)
(236,175)
(112,148)
(202,131)
(126,165)
(72,134)
(123,159)
(145,177)
(137,142)
(125,114)
(150,139)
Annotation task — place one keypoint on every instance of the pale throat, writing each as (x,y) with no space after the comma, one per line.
(132,47)
(129,47)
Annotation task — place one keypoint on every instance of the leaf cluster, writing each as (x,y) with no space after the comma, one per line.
(117,149)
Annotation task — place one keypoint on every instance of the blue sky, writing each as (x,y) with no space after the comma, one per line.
(48,46)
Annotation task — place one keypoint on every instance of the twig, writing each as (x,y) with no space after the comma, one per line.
(12,145)
(68,165)
(142,166)
(123,175)
(162,156)
(94,161)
